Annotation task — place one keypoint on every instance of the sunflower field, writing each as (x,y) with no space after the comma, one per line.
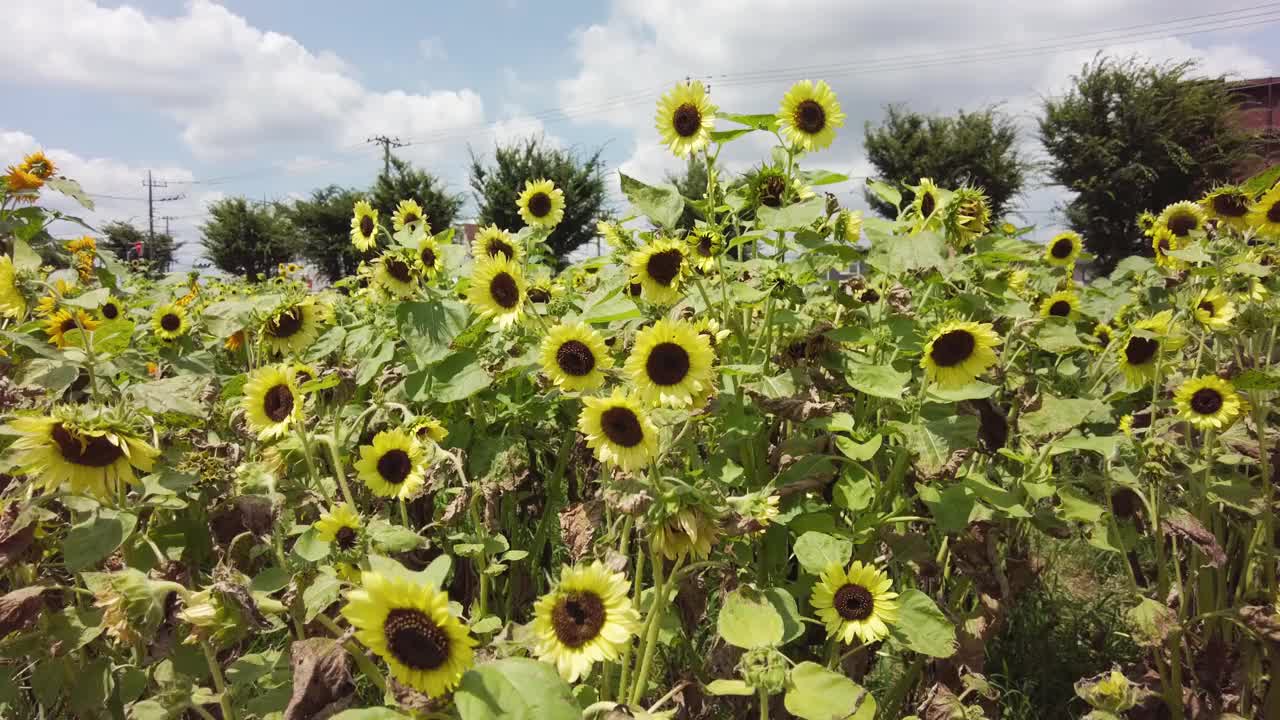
(792,462)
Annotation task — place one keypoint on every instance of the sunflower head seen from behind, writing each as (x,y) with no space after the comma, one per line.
(541,204)
(660,267)
(169,322)
(968,216)
(272,402)
(958,351)
(671,364)
(619,430)
(1063,249)
(855,604)
(809,115)
(685,118)
(575,357)
(394,465)
(90,451)
(13,303)
(1264,215)
(364,226)
(1208,403)
(586,618)
(408,214)
(497,290)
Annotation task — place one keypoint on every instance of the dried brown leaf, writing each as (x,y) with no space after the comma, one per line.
(20,608)
(322,684)
(1185,526)
(578,525)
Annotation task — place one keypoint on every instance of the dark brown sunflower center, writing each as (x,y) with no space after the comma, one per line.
(953,348)
(1182,223)
(664,266)
(1140,350)
(854,602)
(869,296)
(810,117)
(577,618)
(1164,246)
(704,246)
(497,247)
(771,192)
(410,218)
(1103,335)
(366,226)
(415,640)
(1061,248)
(687,120)
(634,289)
(68,325)
(1230,205)
(1206,401)
(171,322)
(345,537)
(927,204)
(1273,213)
(110,311)
(1061,308)
(539,295)
(286,323)
(277,403)
(668,364)
(1208,307)
(575,358)
(394,466)
(622,427)
(428,257)
(398,269)
(539,204)
(86,450)
(504,290)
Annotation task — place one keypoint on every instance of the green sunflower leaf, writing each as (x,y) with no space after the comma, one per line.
(922,627)
(749,620)
(816,693)
(662,205)
(515,689)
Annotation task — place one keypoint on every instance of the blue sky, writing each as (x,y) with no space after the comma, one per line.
(270,98)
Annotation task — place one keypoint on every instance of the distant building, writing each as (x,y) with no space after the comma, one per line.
(1260,112)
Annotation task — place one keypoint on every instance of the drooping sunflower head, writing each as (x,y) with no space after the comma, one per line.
(1264,215)
(1215,310)
(396,273)
(856,604)
(1229,205)
(1181,219)
(541,203)
(685,118)
(364,226)
(615,235)
(958,352)
(1063,249)
(768,186)
(849,226)
(660,267)
(1063,304)
(430,259)
(671,364)
(272,402)
(586,618)
(1209,403)
(1018,280)
(408,214)
(705,246)
(408,624)
(497,290)
(21,185)
(968,216)
(619,430)
(12,302)
(111,309)
(394,465)
(809,115)
(89,450)
(492,241)
(340,525)
(685,529)
(429,429)
(575,357)
(65,321)
(39,165)
(292,327)
(169,322)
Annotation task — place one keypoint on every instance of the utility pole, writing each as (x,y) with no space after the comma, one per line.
(151,184)
(387,143)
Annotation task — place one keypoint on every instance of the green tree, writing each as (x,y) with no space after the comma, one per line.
(978,148)
(323,225)
(120,238)
(1133,136)
(246,238)
(408,183)
(496,187)
(692,184)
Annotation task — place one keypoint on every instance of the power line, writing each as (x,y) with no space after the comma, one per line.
(387,143)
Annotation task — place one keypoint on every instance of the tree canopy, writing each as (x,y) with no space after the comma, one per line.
(122,239)
(406,182)
(322,223)
(245,238)
(692,184)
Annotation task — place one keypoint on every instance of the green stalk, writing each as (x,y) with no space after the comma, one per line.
(219,682)
(764,704)
(652,623)
(336,458)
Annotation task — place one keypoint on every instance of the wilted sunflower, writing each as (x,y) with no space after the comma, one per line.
(618,430)
(364,226)
(170,322)
(12,302)
(1181,219)
(64,321)
(111,309)
(1063,304)
(1264,215)
(768,186)
(1209,403)
(1063,249)
(430,261)
(685,118)
(1140,350)
(928,200)
(408,214)
(671,364)
(272,401)
(585,619)
(292,329)
(497,290)
(1215,310)
(91,451)
(492,241)
(687,531)
(809,115)
(705,245)
(340,525)
(1229,205)
(855,604)
(660,267)
(409,625)
(394,272)
(958,352)
(575,357)
(968,215)
(541,204)
(394,465)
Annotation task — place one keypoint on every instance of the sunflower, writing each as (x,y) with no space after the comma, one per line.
(39,165)
(292,328)
(272,401)
(1181,219)
(809,115)
(705,245)
(1215,310)
(394,272)
(394,465)
(497,290)
(660,267)
(1018,280)
(1264,215)
(88,450)
(618,430)
(687,531)
(968,215)
(364,226)
(17,180)
(928,200)
(541,204)
(12,302)
(1229,205)
(409,214)
(958,352)
(1138,354)
(1063,249)
(585,619)
(685,118)
(234,341)
(493,241)
(1103,333)
(430,261)
(408,624)
(1063,304)
(170,322)
(855,604)
(111,309)
(671,364)
(1209,403)
(1163,241)
(429,428)
(574,356)
(1257,291)
(64,321)
(340,526)
(849,226)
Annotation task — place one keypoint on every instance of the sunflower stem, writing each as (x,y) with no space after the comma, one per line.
(219,682)
(764,704)
(331,442)
(652,622)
